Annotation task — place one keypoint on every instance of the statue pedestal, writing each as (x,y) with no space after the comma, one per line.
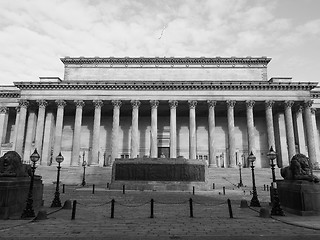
(299,197)
(159,174)
(14,193)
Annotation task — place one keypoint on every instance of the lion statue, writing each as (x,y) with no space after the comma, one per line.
(299,169)
(12,166)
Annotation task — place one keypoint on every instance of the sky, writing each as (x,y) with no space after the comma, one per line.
(35,34)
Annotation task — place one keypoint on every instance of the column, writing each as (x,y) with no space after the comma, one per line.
(23,104)
(212,125)
(231,139)
(28,148)
(192,130)
(173,128)
(96,132)
(5,126)
(316,133)
(135,131)
(47,148)
(289,128)
(16,127)
(269,122)
(300,131)
(115,129)
(40,126)
(58,130)
(154,128)
(3,112)
(250,126)
(310,133)
(77,133)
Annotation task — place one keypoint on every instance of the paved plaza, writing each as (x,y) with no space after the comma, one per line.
(132,211)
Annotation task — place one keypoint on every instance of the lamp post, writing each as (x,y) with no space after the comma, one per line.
(276,208)
(56,201)
(254,201)
(28,212)
(240,183)
(84,163)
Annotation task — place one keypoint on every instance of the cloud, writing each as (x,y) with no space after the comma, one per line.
(35,33)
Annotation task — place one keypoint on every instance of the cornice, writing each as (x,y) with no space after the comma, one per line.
(315,94)
(186,61)
(168,85)
(10,94)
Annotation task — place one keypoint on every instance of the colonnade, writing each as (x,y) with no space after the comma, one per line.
(22,143)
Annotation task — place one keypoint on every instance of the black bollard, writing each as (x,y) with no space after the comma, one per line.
(63,186)
(151,207)
(123,189)
(74,207)
(193,190)
(93,186)
(213,186)
(230,208)
(191,207)
(224,190)
(264,187)
(107,185)
(267,188)
(112,208)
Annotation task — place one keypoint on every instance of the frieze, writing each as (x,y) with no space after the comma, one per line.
(168,85)
(10,94)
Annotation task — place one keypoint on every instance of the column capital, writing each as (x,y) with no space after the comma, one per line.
(211,103)
(23,103)
(18,109)
(116,103)
(313,110)
(135,103)
(42,103)
(154,104)
(250,103)
(61,103)
(288,103)
(97,103)
(231,103)
(192,104)
(173,104)
(269,103)
(79,103)
(3,110)
(308,103)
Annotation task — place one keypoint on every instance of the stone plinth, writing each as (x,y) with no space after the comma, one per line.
(299,197)
(14,193)
(159,174)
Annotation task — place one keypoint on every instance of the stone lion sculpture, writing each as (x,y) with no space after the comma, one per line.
(12,166)
(299,169)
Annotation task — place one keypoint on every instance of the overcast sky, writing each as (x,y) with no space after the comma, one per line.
(35,34)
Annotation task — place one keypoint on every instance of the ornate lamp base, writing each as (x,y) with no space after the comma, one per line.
(255,202)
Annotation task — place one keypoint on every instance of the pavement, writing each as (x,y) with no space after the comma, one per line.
(171,216)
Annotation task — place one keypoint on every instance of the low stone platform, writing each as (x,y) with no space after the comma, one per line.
(299,197)
(159,174)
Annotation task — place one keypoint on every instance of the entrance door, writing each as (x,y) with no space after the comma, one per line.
(163,152)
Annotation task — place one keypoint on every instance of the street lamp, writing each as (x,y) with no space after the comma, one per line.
(56,201)
(276,208)
(28,212)
(254,201)
(240,183)
(84,163)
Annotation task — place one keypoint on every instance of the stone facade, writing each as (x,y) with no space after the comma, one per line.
(214,109)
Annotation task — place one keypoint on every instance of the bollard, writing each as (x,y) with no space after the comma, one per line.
(63,186)
(224,190)
(74,207)
(264,187)
(152,202)
(193,190)
(93,186)
(191,207)
(267,188)
(213,186)
(230,208)
(107,185)
(112,208)
(123,189)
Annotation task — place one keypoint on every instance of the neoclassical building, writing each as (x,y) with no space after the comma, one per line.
(213,109)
